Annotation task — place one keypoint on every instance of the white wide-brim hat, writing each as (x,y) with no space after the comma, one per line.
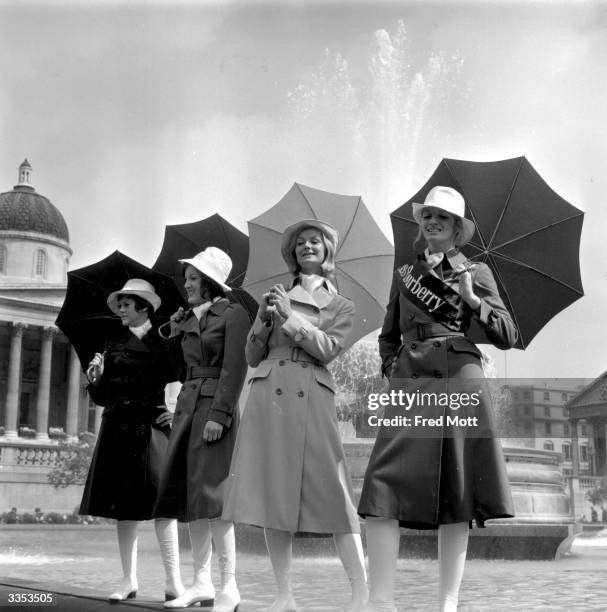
(138,287)
(450,200)
(213,264)
(290,234)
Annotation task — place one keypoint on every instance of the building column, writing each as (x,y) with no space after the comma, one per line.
(14,379)
(575,449)
(73,396)
(44,384)
(98,415)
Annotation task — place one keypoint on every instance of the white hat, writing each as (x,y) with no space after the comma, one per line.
(450,200)
(214,264)
(138,287)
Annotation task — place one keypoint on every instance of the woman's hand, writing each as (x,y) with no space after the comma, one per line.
(281,301)
(467,292)
(265,310)
(212,431)
(164,419)
(96,367)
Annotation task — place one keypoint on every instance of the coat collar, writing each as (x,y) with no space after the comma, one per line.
(323,296)
(191,324)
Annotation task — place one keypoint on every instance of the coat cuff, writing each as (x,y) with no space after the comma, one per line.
(296,327)
(259,333)
(484,314)
(219,416)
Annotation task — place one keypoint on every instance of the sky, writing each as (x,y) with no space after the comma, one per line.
(136,115)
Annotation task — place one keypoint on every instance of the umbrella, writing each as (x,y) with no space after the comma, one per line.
(363,262)
(526,233)
(85,317)
(186,240)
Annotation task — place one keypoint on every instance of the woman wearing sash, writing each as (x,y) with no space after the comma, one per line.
(208,344)
(443,472)
(128,378)
(288,474)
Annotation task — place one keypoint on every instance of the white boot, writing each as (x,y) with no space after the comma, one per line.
(350,549)
(383,540)
(166,534)
(127,544)
(202,591)
(452,549)
(280,548)
(225,546)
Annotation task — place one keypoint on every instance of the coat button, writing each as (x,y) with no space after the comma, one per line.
(304,365)
(127,402)
(437,344)
(411,317)
(413,345)
(281,362)
(278,391)
(414,375)
(300,394)
(437,374)
(193,385)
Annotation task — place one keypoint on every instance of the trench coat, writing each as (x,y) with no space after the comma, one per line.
(289,471)
(209,355)
(122,481)
(433,474)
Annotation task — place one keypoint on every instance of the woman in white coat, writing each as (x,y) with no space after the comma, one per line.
(288,472)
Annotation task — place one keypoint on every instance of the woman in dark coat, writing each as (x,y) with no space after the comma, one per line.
(289,472)
(445,472)
(208,340)
(128,378)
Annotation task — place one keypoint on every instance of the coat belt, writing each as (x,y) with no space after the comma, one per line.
(195,371)
(429,330)
(294,353)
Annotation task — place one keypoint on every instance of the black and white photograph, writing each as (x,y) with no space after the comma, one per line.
(302,305)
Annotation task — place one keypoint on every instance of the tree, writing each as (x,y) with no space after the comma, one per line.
(74,459)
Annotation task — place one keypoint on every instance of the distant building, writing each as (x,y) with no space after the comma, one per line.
(541,413)
(41,386)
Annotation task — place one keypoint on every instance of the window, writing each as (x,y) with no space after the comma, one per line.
(548,429)
(584,432)
(564,397)
(547,411)
(549,445)
(2,259)
(40,268)
(583,452)
(527,394)
(547,395)
(566,451)
(566,430)
(527,409)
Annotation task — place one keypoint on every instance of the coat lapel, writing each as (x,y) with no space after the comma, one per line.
(321,299)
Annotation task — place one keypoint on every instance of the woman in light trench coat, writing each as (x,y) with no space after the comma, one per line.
(424,476)
(288,472)
(207,342)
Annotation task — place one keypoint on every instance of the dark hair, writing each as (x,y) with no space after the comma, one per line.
(213,289)
(140,303)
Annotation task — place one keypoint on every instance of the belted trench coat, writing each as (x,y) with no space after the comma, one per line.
(289,471)
(428,474)
(122,481)
(210,358)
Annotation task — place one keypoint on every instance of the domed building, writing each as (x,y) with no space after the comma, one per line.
(41,383)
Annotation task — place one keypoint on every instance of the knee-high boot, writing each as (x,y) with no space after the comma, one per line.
(127,544)
(383,540)
(166,534)
(280,548)
(452,549)
(202,590)
(350,549)
(225,547)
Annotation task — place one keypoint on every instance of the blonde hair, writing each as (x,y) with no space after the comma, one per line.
(420,243)
(327,266)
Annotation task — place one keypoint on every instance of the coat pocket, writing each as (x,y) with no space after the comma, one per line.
(324,378)
(463,345)
(261,371)
(208,387)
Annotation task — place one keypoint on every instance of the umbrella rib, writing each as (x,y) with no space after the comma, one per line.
(535,231)
(90,282)
(358,284)
(466,199)
(264,279)
(364,258)
(343,240)
(534,269)
(303,195)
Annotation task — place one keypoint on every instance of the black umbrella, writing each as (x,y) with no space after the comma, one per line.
(526,233)
(85,317)
(186,240)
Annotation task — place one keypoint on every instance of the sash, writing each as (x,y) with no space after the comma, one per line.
(430,294)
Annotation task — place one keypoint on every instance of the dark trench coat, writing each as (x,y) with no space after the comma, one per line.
(122,481)
(430,475)
(211,360)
